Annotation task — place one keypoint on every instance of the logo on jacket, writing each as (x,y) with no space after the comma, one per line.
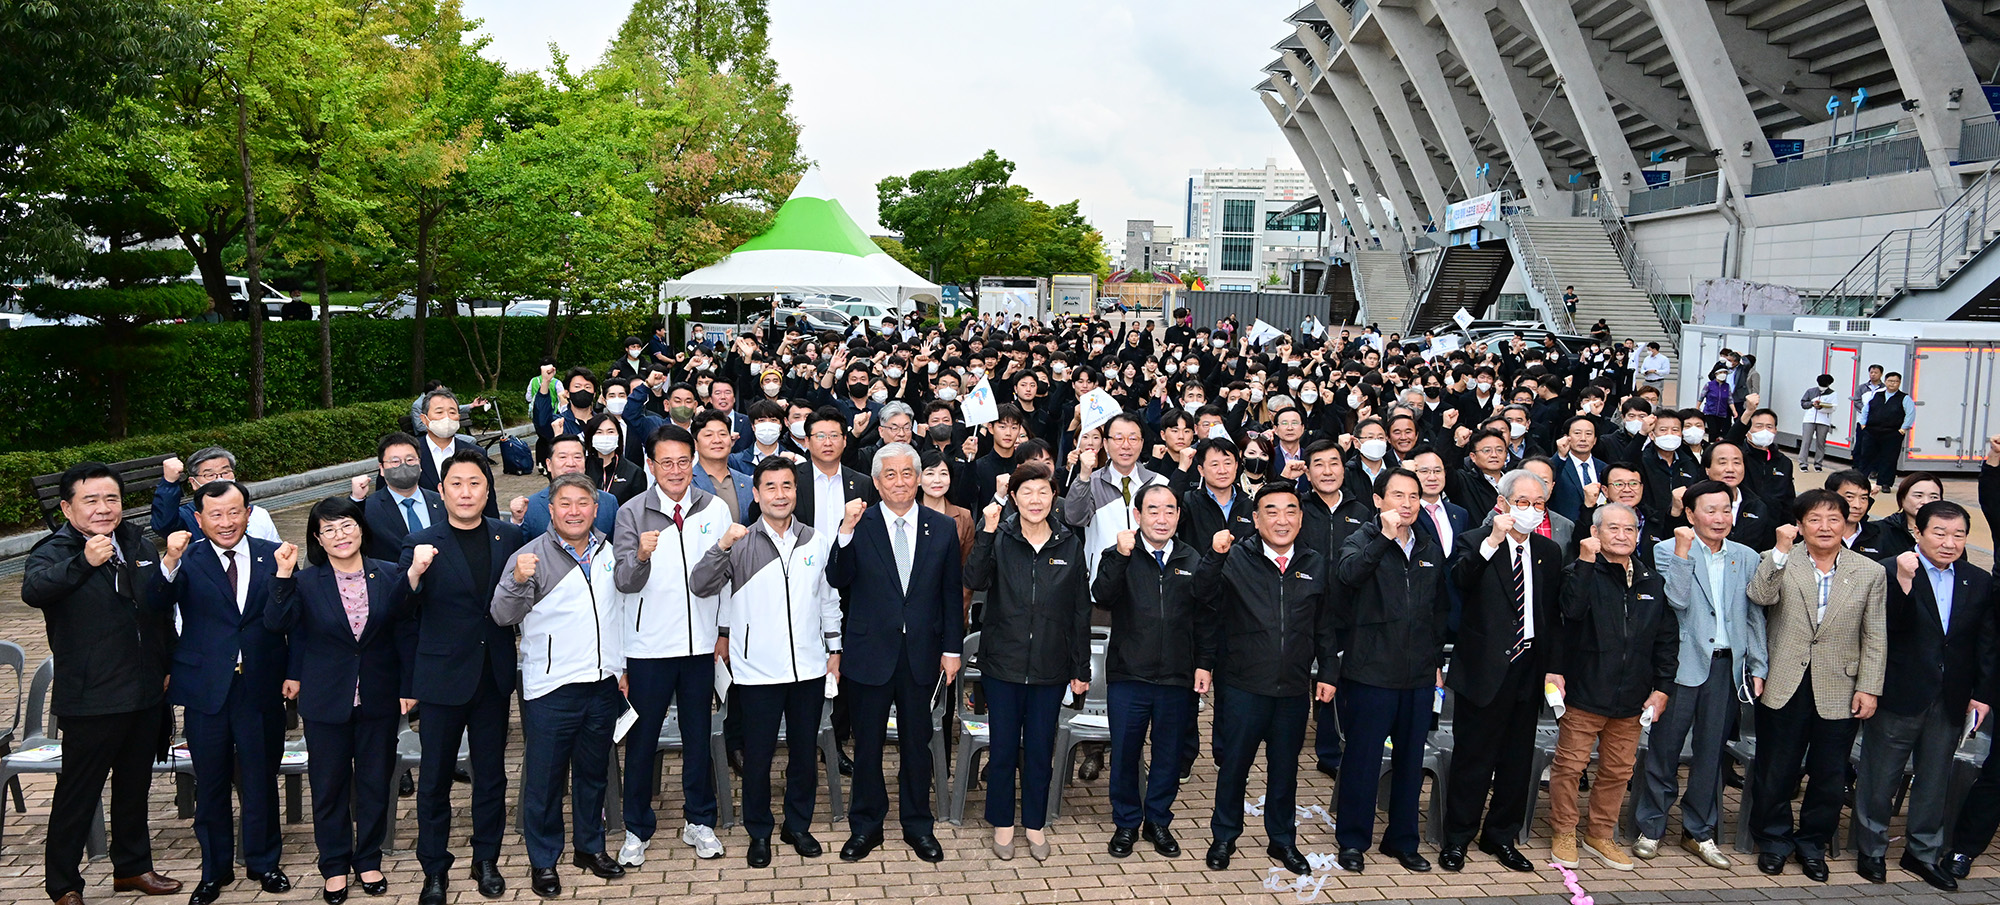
(1058,562)
(809,559)
(1303,576)
(1182,572)
(1426,564)
(1645,596)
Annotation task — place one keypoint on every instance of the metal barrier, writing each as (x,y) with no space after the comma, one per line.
(1978,139)
(1535,265)
(1688,192)
(1842,163)
(1920,258)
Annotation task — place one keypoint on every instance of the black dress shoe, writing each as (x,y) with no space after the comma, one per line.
(377,888)
(1813,868)
(803,843)
(1960,866)
(1771,863)
(1872,869)
(1290,856)
(1452,858)
(333,896)
(460,774)
(1731,777)
(845,765)
(1121,841)
(1352,860)
(758,852)
(1092,766)
(545,882)
(407,786)
(926,846)
(207,891)
(1162,838)
(1935,874)
(859,845)
(1218,854)
(274,882)
(1410,860)
(1508,856)
(602,864)
(1331,770)
(435,887)
(486,875)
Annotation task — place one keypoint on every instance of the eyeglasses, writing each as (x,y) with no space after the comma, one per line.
(216,475)
(1625,485)
(825,436)
(340,528)
(1525,504)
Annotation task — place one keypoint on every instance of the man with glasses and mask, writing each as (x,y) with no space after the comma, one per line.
(211,463)
(400,507)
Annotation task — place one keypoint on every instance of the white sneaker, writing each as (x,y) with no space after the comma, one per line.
(703,839)
(1707,851)
(1646,849)
(633,852)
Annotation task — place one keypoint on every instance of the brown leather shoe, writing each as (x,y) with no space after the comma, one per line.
(71,898)
(152,883)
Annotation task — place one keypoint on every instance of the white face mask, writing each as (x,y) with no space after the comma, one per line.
(1170,368)
(893,373)
(1218,432)
(1693,434)
(799,429)
(931,368)
(1292,382)
(1374,450)
(1309,397)
(767,432)
(879,396)
(1256,395)
(1526,520)
(1192,367)
(771,389)
(1354,400)
(978,373)
(1634,426)
(1763,439)
(947,393)
(1516,429)
(605,444)
(1485,386)
(615,406)
(443,428)
(1220,343)
(1669,442)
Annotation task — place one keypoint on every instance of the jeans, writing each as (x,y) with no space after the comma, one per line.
(567,730)
(1022,720)
(1169,711)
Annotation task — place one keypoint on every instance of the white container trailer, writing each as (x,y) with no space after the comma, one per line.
(1950,368)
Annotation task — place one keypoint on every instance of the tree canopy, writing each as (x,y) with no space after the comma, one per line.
(971,221)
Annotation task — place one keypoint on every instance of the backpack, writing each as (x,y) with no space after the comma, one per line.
(516,458)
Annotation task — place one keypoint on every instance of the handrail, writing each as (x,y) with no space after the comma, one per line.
(1540,273)
(1917,257)
(1637,269)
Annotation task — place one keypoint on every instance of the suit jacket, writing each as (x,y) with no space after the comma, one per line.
(1927,663)
(1567,496)
(740,502)
(456,634)
(854,484)
(327,660)
(883,620)
(1486,624)
(427,476)
(1692,598)
(387,525)
(214,633)
(1850,645)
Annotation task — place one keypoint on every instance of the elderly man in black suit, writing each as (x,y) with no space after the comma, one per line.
(899,567)
(463,673)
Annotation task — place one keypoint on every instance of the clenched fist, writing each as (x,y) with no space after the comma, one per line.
(420,560)
(1592,492)
(992,514)
(172,469)
(524,567)
(1222,541)
(357,489)
(287,557)
(852,515)
(1000,483)
(1392,522)
(1128,539)
(1588,548)
(517,508)
(1503,524)
(1787,535)
(1450,418)
(1906,569)
(177,544)
(1683,541)
(731,536)
(648,542)
(97,551)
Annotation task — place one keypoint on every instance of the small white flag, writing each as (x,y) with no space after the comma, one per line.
(1261,333)
(979,407)
(1098,407)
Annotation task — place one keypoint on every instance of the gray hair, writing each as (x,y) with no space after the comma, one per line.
(1597,518)
(424,402)
(208,453)
(892,451)
(894,408)
(1518,408)
(1508,480)
(575,479)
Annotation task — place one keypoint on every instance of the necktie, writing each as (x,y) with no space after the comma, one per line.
(1125,487)
(678,524)
(1282,559)
(1443,530)
(1588,477)
(901,542)
(117,571)
(229,572)
(1520,610)
(410,516)
(1160,557)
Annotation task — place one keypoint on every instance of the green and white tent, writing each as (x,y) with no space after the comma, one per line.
(814,248)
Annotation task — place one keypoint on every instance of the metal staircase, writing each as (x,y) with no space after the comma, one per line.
(1598,256)
(1382,288)
(1465,276)
(1909,265)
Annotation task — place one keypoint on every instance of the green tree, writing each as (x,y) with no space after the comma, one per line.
(894,248)
(971,221)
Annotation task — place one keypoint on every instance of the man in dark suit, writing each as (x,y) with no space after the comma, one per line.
(1510,577)
(463,673)
(1579,472)
(88,579)
(1940,671)
(898,565)
(227,673)
(440,423)
(401,507)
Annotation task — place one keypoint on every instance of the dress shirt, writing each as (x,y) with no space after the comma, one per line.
(1225,506)
(417,517)
(1289,553)
(1586,473)
(439,455)
(1440,520)
(1714,562)
(829,501)
(1941,588)
(1522,550)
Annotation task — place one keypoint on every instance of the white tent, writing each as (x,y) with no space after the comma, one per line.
(813,247)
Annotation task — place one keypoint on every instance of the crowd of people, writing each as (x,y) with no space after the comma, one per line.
(1383,544)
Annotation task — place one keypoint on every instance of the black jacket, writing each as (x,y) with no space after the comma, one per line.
(1153,614)
(1468,487)
(1891,534)
(453,608)
(1479,663)
(1393,618)
(1928,664)
(1262,631)
(1324,530)
(1602,650)
(1768,474)
(1201,517)
(111,647)
(388,524)
(1035,629)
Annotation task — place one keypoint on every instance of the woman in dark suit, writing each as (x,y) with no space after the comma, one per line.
(606,464)
(348,640)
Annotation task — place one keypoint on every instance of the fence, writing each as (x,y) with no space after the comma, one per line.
(1842,163)
(1921,258)
(1978,139)
(1283,310)
(1688,192)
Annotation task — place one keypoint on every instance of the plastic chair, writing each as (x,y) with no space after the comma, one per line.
(41,730)
(410,756)
(1070,733)
(1437,762)
(12,655)
(829,752)
(1744,752)
(974,735)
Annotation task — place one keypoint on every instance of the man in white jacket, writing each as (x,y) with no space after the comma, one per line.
(780,629)
(559,589)
(670,634)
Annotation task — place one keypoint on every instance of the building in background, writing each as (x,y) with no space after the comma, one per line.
(1270,182)
(1149,246)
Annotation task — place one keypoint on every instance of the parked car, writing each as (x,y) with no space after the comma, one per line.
(816,318)
(404,307)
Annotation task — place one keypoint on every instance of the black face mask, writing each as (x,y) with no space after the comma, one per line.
(941,433)
(583,399)
(857,390)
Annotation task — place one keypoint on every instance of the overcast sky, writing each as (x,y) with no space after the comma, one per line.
(1107,101)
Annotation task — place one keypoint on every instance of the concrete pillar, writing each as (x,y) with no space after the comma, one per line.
(1923,47)
(1562,41)
(1328,123)
(1472,43)
(1709,77)
(1385,83)
(1417,48)
(1335,203)
(1343,92)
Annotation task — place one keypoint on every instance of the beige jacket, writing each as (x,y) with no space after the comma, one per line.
(1846,652)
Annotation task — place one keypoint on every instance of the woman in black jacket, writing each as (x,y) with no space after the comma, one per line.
(606,463)
(1034,641)
(348,639)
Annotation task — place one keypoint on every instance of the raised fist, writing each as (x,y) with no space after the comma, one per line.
(1787,535)
(1222,541)
(1293,468)
(1346,441)
(731,536)
(1562,446)
(358,488)
(1591,493)
(1000,483)
(1159,450)
(1683,541)
(97,551)
(992,516)
(648,542)
(420,559)
(860,422)
(851,516)
(1906,567)
(1588,548)
(1750,401)
(1502,524)
(524,567)
(1127,539)
(1450,417)
(287,557)
(177,544)
(517,508)
(1392,522)
(172,469)
(1186,458)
